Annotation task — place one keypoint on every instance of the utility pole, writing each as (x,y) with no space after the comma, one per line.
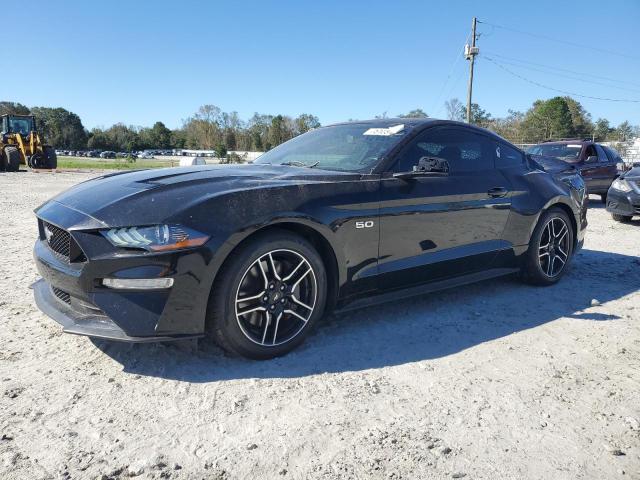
(470,53)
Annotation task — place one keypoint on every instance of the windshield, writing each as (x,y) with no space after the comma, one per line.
(353,147)
(20,125)
(566,152)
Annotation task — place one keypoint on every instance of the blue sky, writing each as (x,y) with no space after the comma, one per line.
(143,61)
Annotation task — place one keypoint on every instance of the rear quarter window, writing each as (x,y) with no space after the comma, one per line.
(613,155)
(602,155)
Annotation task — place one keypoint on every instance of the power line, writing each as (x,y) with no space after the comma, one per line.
(578,78)
(454,85)
(557,89)
(566,42)
(582,74)
(453,66)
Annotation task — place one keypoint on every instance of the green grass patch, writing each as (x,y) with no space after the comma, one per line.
(110,164)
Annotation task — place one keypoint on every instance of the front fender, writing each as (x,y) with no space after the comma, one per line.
(286,220)
(537,192)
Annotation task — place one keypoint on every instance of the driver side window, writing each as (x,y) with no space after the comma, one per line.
(590,152)
(465,151)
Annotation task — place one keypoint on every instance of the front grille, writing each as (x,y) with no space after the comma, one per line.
(61,295)
(62,244)
(58,240)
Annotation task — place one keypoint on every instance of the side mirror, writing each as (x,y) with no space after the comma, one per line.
(427,167)
(432,164)
(591,159)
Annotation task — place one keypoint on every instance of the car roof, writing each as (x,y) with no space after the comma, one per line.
(413,123)
(387,122)
(567,142)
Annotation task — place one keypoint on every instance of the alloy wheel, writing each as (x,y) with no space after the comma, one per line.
(553,252)
(276,297)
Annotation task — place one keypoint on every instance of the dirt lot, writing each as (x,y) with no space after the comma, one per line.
(497,380)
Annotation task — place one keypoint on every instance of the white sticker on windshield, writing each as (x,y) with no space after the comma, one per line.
(385,132)
(574,146)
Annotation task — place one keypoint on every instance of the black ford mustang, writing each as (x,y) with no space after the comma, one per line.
(340,217)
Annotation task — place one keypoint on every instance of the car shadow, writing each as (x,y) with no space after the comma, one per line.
(421,328)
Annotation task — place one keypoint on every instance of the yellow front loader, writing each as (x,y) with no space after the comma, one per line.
(20,144)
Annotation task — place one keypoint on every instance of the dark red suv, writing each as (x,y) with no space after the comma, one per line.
(597,163)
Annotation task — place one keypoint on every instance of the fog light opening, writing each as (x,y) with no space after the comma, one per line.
(137,283)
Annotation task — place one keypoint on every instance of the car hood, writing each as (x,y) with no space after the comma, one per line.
(155,195)
(552,165)
(633,174)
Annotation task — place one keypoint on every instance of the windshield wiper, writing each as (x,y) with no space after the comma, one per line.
(294,163)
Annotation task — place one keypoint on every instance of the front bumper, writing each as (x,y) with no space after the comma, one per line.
(621,203)
(72,296)
(84,321)
(72,292)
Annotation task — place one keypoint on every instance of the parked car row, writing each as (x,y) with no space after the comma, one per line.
(160,152)
(112,154)
(94,153)
(79,153)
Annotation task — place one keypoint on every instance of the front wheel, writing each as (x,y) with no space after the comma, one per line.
(268,296)
(550,248)
(603,197)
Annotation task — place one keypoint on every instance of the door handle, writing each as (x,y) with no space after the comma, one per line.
(497,192)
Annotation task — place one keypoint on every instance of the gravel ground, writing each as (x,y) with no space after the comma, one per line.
(496,380)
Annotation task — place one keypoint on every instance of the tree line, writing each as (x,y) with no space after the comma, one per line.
(555,118)
(210,128)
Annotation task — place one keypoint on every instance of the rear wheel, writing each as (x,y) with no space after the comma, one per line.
(51,159)
(268,296)
(12,159)
(621,218)
(550,248)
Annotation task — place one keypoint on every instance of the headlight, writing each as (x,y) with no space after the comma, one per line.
(157,238)
(621,185)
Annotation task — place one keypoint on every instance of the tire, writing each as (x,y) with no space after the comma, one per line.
(37,161)
(51,159)
(294,296)
(621,218)
(12,159)
(603,197)
(546,265)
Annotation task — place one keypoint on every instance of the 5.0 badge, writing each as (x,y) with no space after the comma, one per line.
(364,224)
